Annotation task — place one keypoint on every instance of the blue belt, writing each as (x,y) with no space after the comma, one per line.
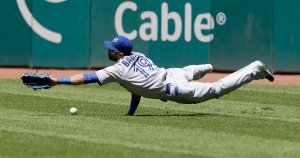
(168,89)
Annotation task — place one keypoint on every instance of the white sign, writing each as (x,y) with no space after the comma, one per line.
(165,17)
(36,26)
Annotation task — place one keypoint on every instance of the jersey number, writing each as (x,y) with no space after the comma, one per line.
(141,65)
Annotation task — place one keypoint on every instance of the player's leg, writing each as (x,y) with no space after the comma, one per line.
(189,73)
(197,92)
(243,76)
(195,72)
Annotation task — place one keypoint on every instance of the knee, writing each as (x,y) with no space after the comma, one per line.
(217,88)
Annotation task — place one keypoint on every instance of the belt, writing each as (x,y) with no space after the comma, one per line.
(168,89)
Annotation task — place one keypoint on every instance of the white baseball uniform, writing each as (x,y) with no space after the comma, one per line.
(138,74)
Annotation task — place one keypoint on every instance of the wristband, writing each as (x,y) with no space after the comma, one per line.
(133,105)
(90,78)
(65,80)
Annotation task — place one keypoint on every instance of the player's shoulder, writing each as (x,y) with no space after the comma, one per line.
(132,56)
(137,54)
(129,59)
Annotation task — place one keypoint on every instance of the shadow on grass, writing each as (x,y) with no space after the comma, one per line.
(180,115)
(44,115)
(147,115)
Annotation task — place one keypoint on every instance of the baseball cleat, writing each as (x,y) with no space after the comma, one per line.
(211,68)
(267,73)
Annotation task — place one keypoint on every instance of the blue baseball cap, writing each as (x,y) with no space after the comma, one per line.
(121,44)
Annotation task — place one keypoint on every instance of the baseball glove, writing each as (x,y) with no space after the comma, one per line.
(36,81)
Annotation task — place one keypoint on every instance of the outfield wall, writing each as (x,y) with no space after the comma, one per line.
(228,34)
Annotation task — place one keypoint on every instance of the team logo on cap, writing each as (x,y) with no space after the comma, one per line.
(115,40)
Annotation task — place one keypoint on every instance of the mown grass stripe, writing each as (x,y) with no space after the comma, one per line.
(245,123)
(193,142)
(223,107)
(274,89)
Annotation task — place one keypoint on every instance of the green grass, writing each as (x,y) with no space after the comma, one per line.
(254,121)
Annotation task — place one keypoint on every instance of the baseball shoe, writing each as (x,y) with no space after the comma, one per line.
(267,73)
(211,67)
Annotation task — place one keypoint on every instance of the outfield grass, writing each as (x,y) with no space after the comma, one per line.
(254,121)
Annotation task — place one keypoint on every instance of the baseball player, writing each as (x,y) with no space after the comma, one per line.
(140,76)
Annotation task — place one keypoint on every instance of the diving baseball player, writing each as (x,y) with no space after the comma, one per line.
(140,76)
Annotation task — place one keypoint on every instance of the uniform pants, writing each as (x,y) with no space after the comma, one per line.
(182,90)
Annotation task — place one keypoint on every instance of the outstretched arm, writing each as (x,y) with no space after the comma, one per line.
(76,79)
(135,100)
(91,78)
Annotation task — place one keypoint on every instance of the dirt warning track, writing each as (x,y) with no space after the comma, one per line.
(15,73)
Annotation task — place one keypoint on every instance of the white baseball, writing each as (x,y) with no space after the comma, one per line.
(73,111)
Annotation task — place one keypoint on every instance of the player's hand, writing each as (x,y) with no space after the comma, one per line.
(53,81)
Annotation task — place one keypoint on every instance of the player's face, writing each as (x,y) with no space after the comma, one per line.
(113,55)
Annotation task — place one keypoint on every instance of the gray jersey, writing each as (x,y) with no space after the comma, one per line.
(137,74)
